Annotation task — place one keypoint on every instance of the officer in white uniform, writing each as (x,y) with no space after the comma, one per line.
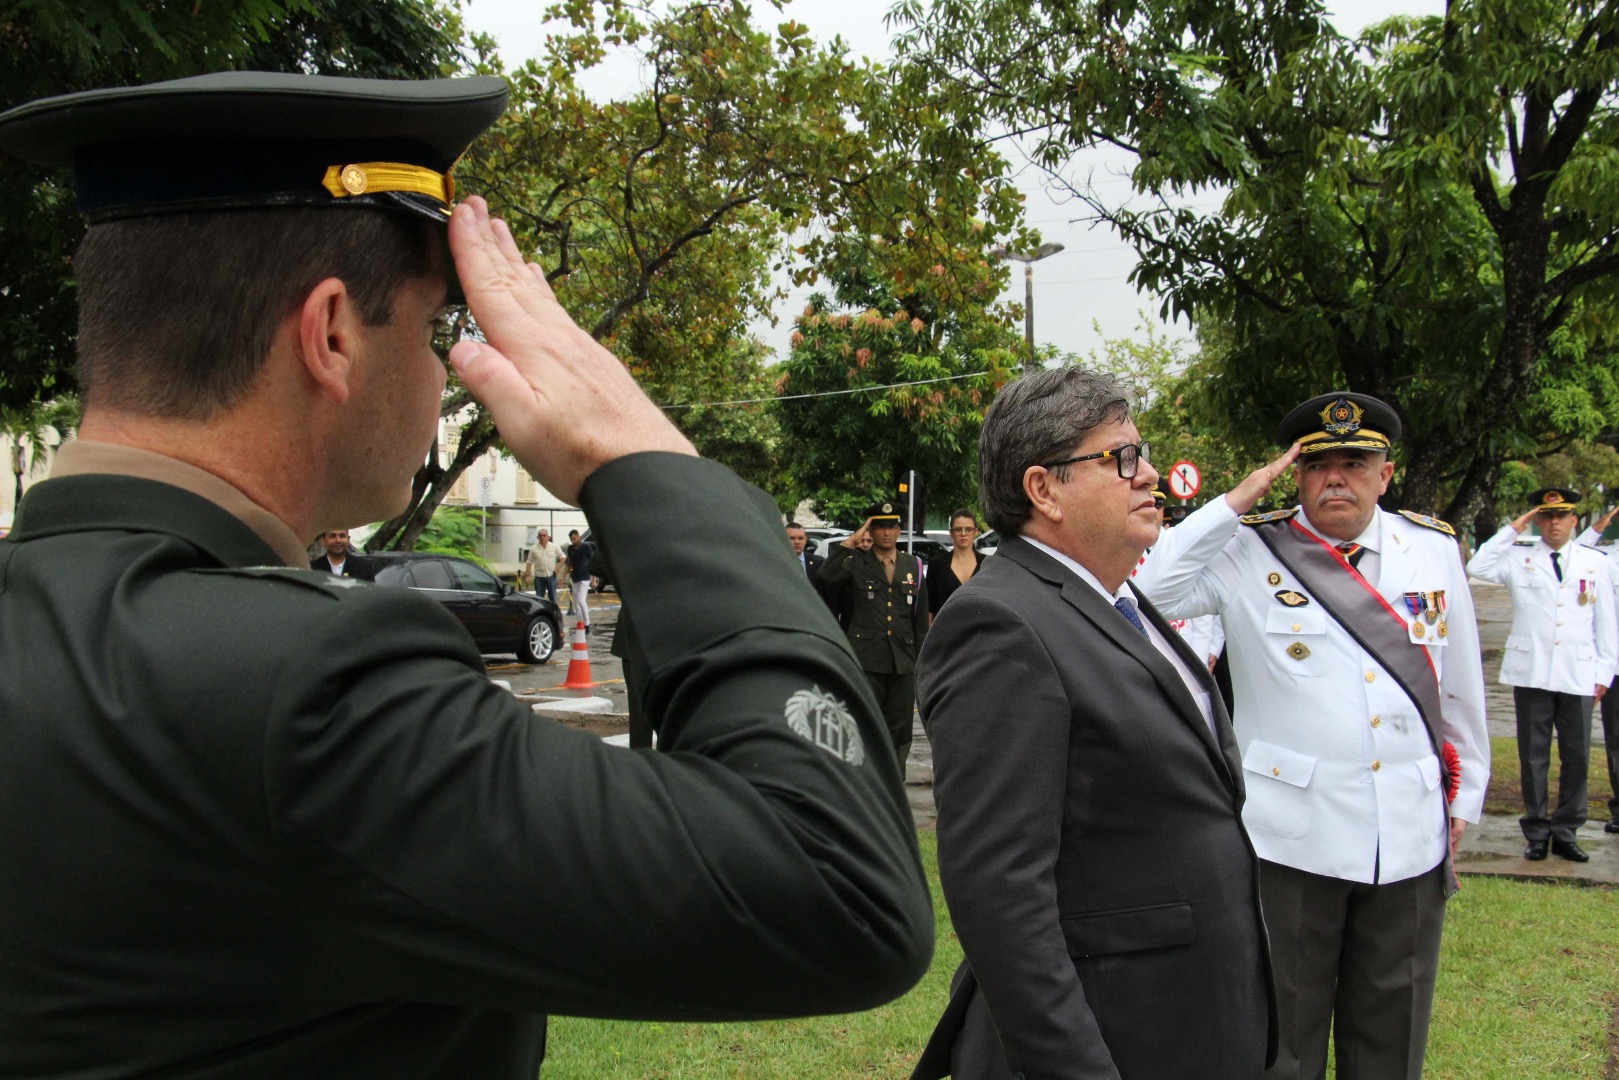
(1559,657)
(1343,732)
(1204,634)
(1609,706)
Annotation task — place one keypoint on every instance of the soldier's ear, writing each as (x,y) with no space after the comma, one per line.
(329,338)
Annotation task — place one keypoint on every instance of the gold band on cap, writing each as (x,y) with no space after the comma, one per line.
(369,177)
(1364,439)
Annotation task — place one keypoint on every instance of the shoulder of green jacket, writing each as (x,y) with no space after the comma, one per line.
(318,581)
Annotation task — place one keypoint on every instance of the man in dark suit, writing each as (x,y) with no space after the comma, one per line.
(339,558)
(808,561)
(880,588)
(1089,790)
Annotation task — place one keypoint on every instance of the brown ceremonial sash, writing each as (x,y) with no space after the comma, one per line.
(1361,610)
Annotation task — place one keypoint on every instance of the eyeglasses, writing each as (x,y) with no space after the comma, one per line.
(964,529)
(1128,457)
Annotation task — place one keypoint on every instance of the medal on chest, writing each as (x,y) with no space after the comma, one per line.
(1415,602)
(1586,596)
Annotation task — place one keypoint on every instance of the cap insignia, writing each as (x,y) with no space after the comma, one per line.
(1553,496)
(1341,417)
(888,508)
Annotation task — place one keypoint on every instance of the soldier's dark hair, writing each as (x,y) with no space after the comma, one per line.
(1039,418)
(963,512)
(177,312)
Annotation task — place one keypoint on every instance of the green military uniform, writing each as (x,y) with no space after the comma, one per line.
(258,821)
(886,626)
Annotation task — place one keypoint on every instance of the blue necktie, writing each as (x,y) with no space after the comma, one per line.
(1128,610)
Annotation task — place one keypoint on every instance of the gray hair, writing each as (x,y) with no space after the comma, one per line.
(1039,418)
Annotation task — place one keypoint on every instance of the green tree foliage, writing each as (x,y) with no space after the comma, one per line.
(454,530)
(853,447)
(29,430)
(58,47)
(1427,214)
(660,218)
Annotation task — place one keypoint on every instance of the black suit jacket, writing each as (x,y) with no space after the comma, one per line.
(1091,846)
(354,566)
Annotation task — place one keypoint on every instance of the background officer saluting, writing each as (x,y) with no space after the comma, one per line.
(1354,661)
(328,846)
(1559,657)
(880,591)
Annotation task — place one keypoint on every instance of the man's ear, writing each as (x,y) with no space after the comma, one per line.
(1387,474)
(1037,485)
(329,338)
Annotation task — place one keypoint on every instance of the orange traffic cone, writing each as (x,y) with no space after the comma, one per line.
(579,664)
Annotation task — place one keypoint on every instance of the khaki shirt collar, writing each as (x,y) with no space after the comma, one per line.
(80,457)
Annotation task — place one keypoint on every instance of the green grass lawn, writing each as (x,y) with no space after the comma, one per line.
(1527,986)
(1505,794)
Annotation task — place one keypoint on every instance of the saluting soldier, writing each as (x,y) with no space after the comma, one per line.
(324,844)
(881,592)
(1359,709)
(1559,658)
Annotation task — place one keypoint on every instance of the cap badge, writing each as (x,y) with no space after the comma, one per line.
(353,179)
(1552,496)
(888,508)
(1341,417)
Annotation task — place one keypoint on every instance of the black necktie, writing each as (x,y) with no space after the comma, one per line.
(1556,569)
(1352,552)
(1128,610)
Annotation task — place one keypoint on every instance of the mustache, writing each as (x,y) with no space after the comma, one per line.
(1337,493)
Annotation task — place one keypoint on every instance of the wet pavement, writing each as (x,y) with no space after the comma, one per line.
(1492,847)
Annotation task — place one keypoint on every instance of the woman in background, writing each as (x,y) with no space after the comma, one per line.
(949,570)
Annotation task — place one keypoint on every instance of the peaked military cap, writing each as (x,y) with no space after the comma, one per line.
(1554,499)
(251,139)
(1340,421)
(884,513)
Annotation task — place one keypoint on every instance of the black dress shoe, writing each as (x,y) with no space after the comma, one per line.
(1569,850)
(1612,826)
(1536,850)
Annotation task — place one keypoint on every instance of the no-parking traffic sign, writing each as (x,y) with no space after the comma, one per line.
(1184,480)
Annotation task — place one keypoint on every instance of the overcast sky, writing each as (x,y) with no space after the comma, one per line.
(1075,290)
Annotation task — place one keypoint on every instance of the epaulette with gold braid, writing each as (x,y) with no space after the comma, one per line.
(1428,522)
(1265,519)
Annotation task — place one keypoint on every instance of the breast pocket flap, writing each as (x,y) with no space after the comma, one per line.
(1108,933)
(1279,763)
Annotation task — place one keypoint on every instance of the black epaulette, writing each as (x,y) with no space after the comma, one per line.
(321,581)
(1428,522)
(1266,519)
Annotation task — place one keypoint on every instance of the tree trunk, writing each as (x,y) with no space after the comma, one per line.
(401,533)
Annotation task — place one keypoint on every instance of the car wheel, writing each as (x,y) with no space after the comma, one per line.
(539,641)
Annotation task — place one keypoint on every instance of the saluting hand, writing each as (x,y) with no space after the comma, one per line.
(1253,487)
(564,404)
(854,538)
(1521,522)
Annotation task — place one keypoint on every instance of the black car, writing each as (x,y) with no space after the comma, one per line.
(500,619)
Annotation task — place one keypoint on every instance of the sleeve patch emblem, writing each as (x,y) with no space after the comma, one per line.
(825,721)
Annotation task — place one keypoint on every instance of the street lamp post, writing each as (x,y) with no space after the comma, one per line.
(1028,259)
